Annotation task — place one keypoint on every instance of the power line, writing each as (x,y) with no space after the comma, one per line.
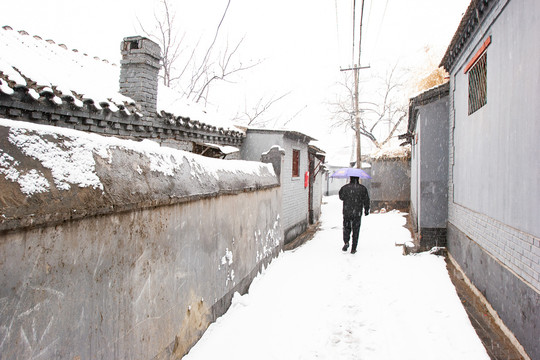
(353,29)
(381,26)
(369,13)
(337,31)
(360,37)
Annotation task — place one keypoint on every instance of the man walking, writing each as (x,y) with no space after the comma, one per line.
(355,198)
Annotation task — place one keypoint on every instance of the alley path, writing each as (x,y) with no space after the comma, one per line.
(317,302)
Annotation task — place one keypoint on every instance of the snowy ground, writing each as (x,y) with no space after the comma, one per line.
(317,302)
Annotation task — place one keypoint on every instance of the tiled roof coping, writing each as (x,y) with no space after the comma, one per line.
(471,21)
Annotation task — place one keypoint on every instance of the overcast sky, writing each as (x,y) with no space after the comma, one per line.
(303,43)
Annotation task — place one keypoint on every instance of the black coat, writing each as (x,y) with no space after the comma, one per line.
(355,197)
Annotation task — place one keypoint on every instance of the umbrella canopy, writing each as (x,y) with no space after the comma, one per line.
(344,173)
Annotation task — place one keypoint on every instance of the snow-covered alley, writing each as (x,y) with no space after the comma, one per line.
(318,302)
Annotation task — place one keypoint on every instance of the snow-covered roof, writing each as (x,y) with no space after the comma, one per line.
(433,93)
(48,69)
(289,133)
(425,97)
(392,152)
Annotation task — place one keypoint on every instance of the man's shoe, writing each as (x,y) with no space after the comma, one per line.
(345,247)
(353,251)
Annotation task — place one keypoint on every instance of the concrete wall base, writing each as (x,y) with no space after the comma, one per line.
(509,296)
(390,205)
(294,231)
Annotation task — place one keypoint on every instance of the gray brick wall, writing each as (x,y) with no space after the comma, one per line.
(518,251)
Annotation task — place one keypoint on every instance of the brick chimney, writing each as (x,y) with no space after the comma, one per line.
(139,73)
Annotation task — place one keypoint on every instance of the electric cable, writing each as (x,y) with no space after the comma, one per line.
(353,30)
(337,31)
(380,28)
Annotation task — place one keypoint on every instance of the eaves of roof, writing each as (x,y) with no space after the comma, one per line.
(316,150)
(471,21)
(291,134)
(424,98)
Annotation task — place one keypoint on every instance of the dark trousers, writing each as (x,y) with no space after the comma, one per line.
(351,224)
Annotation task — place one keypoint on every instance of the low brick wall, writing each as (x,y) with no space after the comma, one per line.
(133,264)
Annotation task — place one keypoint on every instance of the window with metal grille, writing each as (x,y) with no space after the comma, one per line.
(296,163)
(478,85)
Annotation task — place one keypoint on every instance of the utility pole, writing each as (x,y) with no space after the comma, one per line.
(356,68)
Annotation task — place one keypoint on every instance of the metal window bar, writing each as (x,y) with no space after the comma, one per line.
(478,84)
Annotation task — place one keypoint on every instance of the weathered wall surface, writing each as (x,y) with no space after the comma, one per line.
(132,258)
(429,167)
(318,184)
(434,164)
(390,184)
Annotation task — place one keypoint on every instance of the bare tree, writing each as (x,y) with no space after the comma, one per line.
(383,107)
(253,116)
(168,40)
(208,74)
(180,67)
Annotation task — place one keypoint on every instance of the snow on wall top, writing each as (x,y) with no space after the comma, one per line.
(392,152)
(47,170)
(50,69)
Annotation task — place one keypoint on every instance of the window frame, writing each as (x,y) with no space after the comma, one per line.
(295,163)
(477,78)
(478,85)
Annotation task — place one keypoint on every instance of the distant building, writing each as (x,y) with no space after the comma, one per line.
(493,173)
(332,185)
(300,167)
(390,183)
